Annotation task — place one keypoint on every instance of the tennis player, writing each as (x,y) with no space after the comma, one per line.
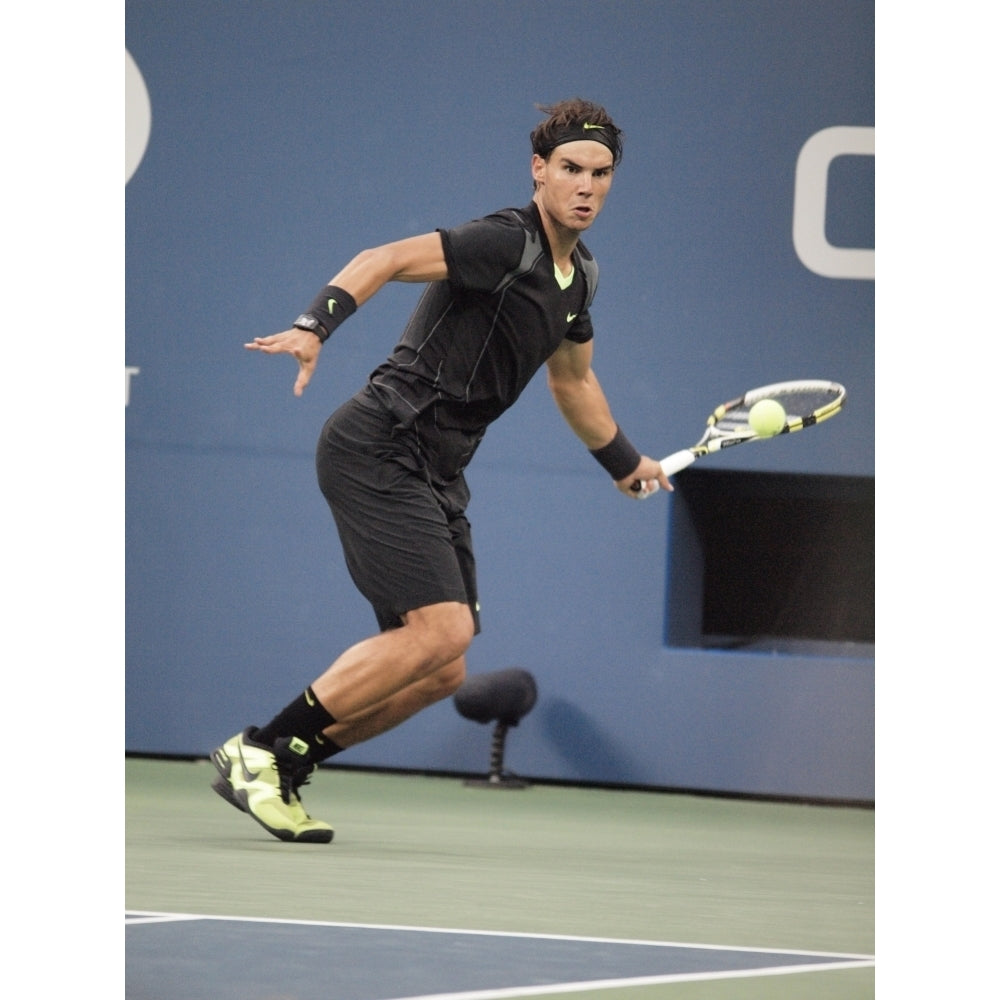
(504,295)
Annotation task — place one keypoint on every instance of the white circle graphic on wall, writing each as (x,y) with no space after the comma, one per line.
(138,117)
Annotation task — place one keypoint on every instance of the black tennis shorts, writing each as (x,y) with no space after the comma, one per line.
(406,540)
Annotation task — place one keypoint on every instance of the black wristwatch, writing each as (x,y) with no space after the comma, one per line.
(313,325)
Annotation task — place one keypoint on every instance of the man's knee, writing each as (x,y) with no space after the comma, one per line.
(446,630)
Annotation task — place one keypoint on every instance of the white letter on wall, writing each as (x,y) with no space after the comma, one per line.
(809,213)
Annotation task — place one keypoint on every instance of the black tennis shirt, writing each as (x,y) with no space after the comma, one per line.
(476,339)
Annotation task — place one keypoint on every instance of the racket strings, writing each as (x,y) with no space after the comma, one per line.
(806,405)
(735,421)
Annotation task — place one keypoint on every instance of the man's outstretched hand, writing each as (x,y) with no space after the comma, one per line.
(300,344)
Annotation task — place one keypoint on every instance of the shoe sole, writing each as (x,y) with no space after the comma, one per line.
(222,784)
(238,798)
(226,790)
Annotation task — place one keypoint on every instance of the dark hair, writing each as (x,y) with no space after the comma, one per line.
(565,122)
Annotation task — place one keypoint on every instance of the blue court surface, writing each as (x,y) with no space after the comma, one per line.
(173,956)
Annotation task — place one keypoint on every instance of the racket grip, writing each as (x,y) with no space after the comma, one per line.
(671,464)
(677,461)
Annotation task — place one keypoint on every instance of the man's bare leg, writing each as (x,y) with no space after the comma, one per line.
(372,671)
(370,688)
(399,707)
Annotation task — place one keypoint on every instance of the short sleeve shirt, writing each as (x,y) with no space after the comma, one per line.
(475,340)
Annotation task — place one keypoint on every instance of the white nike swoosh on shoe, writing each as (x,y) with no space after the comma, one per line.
(248,775)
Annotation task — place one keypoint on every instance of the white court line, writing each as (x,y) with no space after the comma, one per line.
(153,917)
(516,993)
(846,961)
(141,917)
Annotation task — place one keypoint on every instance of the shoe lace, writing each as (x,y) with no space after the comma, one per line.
(300,777)
(292,774)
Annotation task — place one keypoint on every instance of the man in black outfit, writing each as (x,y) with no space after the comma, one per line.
(505,294)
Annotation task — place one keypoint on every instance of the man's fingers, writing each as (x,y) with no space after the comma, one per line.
(291,343)
(305,374)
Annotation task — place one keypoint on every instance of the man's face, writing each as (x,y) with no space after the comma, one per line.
(571,185)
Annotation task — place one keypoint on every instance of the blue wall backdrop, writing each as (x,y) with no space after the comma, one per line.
(270,141)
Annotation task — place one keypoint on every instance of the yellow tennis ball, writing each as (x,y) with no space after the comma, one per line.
(767,417)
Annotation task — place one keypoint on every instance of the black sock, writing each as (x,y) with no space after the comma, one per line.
(305,717)
(323,748)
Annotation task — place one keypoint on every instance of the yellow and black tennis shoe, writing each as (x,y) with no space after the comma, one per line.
(264,782)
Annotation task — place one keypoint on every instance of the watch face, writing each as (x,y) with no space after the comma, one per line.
(307,322)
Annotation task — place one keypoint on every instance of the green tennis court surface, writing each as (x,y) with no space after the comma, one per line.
(432,889)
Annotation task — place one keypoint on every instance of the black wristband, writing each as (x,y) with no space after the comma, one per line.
(618,456)
(328,310)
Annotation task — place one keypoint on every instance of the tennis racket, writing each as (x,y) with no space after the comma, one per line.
(806,403)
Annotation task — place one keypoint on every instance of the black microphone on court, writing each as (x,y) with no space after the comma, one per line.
(503,697)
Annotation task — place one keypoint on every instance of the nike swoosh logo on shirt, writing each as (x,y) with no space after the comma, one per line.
(571,316)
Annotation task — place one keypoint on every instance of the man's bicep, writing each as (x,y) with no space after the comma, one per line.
(571,361)
(419,258)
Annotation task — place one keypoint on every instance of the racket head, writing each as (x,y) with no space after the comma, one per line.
(806,402)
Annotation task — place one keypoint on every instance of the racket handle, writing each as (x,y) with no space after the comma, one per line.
(677,461)
(671,464)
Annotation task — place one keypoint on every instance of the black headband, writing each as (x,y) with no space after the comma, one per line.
(606,135)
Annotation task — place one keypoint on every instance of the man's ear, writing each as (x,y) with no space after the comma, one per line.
(538,165)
